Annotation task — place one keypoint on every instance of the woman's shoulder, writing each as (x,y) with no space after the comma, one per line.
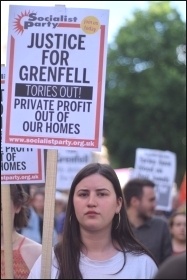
(148,267)
(143,258)
(30,251)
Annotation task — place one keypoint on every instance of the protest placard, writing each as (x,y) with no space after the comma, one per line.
(56,61)
(56,58)
(19,164)
(68,164)
(160,167)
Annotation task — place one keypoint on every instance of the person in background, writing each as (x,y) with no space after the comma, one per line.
(34,228)
(33,188)
(37,203)
(25,250)
(150,230)
(97,242)
(177,224)
(173,268)
(61,199)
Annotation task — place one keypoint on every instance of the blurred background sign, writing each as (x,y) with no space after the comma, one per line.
(68,164)
(160,167)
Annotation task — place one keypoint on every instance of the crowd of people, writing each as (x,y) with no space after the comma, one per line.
(101,230)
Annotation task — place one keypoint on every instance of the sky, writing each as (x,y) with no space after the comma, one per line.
(119,12)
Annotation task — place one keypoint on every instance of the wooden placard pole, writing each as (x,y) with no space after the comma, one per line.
(7,230)
(48,222)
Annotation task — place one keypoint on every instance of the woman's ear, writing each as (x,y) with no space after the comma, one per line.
(119,202)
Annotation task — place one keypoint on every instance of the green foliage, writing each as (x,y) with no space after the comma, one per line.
(145,103)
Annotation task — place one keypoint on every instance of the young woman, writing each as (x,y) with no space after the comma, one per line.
(177,224)
(97,240)
(25,251)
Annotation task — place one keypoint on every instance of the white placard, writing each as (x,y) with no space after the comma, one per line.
(160,167)
(68,165)
(56,58)
(19,164)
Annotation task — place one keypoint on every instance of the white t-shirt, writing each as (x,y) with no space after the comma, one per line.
(136,267)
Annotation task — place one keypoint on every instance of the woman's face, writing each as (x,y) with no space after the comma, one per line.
(95,203)
(38,203)
(178,229)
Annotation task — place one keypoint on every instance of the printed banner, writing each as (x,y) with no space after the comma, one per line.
(19,164)
(56,60)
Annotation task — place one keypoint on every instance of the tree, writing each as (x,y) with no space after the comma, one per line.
(146,87)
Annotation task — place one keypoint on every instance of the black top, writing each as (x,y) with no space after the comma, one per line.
(155,236)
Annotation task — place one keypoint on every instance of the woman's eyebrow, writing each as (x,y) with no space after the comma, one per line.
(102,189)
(85,190)
(97,190)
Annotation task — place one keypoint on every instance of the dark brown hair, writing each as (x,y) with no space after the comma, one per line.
(19,198)
(134,187)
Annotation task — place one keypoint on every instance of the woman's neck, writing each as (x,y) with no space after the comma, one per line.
(178,246)
(98,245)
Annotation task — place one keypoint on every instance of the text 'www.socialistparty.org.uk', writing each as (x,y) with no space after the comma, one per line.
(54,142)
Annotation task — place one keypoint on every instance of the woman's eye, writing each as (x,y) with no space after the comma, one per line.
(102,194)
(83,194)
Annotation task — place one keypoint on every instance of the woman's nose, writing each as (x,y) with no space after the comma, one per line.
(92,201)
